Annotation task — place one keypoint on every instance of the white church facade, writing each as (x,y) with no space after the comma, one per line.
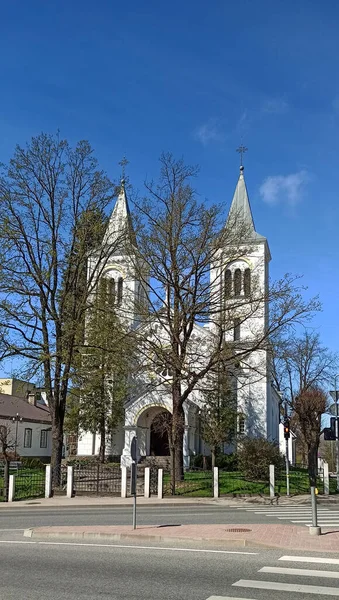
(230,277)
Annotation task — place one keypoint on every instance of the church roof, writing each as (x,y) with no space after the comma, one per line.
(240,214)
(120,222)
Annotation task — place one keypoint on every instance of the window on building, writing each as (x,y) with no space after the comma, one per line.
(111,291)
(237,282)
(241,424)
(247,282)
(228,283)
(43,438)
(28,438)
(236,330)
(120,289)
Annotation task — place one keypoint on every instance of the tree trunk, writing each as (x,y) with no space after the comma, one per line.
(56,457)
(6,479)
(178,428)
(213,457)
(313,465)
(102,451)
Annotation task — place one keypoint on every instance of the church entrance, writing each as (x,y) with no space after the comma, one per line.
(159,437)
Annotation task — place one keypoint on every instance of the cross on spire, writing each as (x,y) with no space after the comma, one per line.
(123,163)
(242,149)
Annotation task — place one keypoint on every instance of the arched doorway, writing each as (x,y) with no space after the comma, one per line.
(159,445)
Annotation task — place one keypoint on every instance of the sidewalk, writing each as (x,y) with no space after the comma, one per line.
(168,500)
(268,536)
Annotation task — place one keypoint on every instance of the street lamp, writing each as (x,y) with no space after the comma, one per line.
(16,420)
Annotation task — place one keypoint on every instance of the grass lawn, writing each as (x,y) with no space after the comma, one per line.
(200,484)
(29,483)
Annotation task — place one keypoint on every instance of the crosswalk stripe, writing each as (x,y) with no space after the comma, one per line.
(287,587)
(319,519)
(303,572)
(322,524)
(311,559)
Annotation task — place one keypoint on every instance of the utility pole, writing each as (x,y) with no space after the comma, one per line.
(336,429)
(16,420)
(287,435)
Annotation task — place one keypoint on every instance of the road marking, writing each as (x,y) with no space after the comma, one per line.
(303,572)
(129,546)
(323,524)
(226,598)
(321,519)
(287,587)
(311,559)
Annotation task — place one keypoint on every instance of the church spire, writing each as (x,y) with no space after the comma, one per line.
(240,214)
(120,221)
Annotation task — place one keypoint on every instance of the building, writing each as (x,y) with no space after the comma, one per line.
(28,426)
(230,277)
(16,387)
(292,455)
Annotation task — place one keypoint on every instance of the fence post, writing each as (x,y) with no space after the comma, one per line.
(48,481)
(147,482)
(160,484)
(11,488)
(70,476)
(326,479)
(272,491)
(123,482)
(216,482)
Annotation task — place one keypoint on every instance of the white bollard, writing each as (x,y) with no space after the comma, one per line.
(147,481)
(326,479)
(216,482)
(11,488)
(48,481)
(123,482)
(160,484)
(70,474)
(272,482)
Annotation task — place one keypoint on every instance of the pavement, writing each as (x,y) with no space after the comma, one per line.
(253,535)
(118,501)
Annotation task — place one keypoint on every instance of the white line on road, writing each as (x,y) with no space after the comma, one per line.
(287,587)
(302,572)
(226,598)
(129,546)
(311,559)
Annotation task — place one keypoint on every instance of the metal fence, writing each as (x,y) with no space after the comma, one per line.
(196,483)
(236,484)
(29,483)
(97,479)
(59,480)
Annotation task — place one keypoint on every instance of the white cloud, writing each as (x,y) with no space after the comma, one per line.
(286,189)
(274,106)
(209,132)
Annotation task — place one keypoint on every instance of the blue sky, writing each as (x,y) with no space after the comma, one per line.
(195,78)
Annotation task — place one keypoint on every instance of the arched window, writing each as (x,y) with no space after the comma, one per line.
(111,291)
(247,282)
(120,285)
(237,282)
(228,283)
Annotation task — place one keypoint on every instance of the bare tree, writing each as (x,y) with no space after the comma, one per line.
(179,241)
(49,198)
(308,408)
(302,362)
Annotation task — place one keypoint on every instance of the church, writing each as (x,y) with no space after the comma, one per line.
(257,401)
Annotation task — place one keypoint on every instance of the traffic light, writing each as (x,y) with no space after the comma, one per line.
(287,432)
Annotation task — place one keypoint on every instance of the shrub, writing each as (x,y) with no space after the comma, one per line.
(255,457)
(228,462)
(197,461)
(31,463)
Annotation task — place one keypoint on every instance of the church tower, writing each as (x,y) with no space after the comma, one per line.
(121,263)
(239,282)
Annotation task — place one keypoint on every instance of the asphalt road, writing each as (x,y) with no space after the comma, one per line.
(26,517)
(73,571)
